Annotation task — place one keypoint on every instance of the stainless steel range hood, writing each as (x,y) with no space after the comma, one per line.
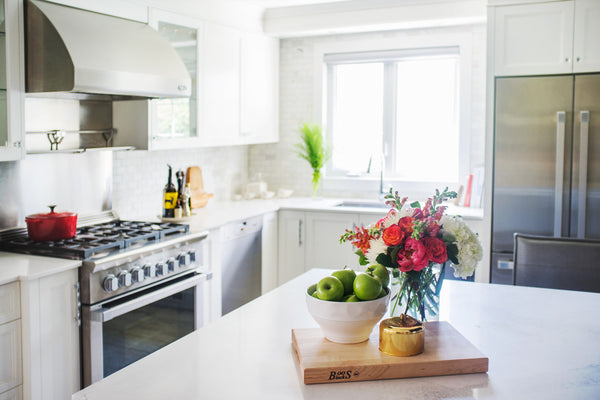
(77,51)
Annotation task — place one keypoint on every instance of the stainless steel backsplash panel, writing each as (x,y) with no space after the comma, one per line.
(80,183)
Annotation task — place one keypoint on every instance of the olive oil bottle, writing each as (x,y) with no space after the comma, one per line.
(169,197)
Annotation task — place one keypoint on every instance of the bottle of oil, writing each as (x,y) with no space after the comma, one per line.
(169,197)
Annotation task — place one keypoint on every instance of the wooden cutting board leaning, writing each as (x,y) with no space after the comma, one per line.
(199,195)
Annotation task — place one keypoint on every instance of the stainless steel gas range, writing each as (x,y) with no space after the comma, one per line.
(142,285)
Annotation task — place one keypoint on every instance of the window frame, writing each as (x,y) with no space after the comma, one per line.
(417,44)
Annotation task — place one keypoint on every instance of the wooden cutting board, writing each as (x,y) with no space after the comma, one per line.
(199,195)
(447,352)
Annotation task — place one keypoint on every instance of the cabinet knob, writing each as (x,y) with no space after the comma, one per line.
(578,59)
(567,59)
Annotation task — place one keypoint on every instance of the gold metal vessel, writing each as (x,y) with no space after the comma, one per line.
(401,336)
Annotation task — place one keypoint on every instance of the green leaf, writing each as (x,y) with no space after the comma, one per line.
(415,204)
(384,260)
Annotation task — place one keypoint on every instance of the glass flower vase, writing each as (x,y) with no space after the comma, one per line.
(417,293)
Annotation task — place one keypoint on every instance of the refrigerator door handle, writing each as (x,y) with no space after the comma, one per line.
(559,172)
(584,117)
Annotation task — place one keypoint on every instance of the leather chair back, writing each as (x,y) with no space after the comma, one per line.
(557,263)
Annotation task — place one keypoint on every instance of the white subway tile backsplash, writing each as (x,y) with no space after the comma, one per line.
(140,176)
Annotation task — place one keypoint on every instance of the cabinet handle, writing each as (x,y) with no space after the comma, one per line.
(567,59)
(578,59)
(77,317)
(299,233)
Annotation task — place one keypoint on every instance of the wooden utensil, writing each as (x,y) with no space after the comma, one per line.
(199,195)
(447,352)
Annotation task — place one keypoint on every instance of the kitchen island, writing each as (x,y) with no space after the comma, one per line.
(541,344)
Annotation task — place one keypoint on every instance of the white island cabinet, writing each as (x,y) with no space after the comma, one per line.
(248,353)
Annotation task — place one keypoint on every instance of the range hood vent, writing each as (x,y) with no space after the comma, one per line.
(77,51)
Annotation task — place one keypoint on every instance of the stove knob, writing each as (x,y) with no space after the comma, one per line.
(111,283)
(192,254)
(149,270)
(124,278)
(182,258)
(137,274)
(161,269)
(170,265)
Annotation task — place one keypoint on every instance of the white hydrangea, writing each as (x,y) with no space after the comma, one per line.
(377,246)
(470,251)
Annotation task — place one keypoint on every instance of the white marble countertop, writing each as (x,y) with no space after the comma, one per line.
(541,344)
(14,266)
(216,214)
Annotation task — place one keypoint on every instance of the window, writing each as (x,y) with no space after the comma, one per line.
(397,110)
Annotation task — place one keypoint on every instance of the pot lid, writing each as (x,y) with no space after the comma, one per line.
(51,215)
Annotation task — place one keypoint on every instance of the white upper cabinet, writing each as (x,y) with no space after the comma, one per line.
(221,85)
(12,81)
(259,89)
(586,43)
(174,122)
(235,91)
(534,39)
(547,38)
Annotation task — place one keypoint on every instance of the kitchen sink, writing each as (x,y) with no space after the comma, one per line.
(363,204)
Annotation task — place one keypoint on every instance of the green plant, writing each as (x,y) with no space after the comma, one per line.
(313,150)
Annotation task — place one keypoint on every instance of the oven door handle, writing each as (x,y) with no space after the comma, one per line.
(109,313)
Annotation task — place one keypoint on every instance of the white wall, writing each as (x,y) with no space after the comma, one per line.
(279,164)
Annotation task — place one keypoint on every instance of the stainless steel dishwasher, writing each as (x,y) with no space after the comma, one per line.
(241,263)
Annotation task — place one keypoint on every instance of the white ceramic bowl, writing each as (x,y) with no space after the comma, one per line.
(350,322)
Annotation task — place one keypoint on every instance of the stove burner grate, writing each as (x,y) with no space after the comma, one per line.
(95,239)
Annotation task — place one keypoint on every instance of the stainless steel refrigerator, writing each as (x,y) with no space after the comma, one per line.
(546,162)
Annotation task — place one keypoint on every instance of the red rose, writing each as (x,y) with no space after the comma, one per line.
(392,235)
(436,249)
(405,224)
(413,257)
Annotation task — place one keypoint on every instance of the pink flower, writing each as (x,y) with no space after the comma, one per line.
(413,257)
(436,249)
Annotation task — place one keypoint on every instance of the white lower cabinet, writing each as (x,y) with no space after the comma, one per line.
(10,340)
(13,394)
(291,245)
(51,367)
(312,240)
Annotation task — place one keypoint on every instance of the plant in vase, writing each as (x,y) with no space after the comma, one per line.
(417,243)
(313,150)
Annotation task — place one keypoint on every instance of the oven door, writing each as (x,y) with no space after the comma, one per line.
(119,332)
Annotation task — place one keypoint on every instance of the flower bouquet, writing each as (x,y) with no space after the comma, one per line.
(417,243)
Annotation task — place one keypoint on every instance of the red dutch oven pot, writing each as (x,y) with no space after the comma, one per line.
(52,225)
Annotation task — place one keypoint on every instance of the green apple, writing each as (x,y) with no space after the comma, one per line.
(367,287)
(315,295)
(380,271)
(350,298)
(330,288)
(312,289)
(383,293)
(347,277)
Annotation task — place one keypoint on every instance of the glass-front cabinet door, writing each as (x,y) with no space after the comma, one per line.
(174,122)
(11,80)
